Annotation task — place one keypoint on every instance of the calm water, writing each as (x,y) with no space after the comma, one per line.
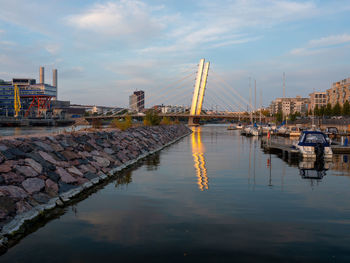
(212,197)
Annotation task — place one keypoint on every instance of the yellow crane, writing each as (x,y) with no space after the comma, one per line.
(17,101)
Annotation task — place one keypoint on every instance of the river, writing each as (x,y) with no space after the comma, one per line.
(214,196)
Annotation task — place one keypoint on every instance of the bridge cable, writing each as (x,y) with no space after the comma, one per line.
(227,95)
(228,85)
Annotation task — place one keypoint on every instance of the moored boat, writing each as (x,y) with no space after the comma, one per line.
(314,145)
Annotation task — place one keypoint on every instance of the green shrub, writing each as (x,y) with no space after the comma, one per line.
(96,123)
(165,121)
(151,118)
(122,125)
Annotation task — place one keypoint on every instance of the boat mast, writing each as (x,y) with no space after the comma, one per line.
(250,101)
(260,106)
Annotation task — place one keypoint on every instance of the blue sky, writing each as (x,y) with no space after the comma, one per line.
(104,50)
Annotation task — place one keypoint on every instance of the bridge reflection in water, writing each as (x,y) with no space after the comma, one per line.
(198,151)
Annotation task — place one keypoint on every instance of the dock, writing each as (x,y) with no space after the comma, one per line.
(277,145)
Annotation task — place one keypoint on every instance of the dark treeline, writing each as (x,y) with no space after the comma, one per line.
(328,110)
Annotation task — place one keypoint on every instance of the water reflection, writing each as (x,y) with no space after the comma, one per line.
(341,164)
(313,171)
(153,162)
(198,151)
(123,179)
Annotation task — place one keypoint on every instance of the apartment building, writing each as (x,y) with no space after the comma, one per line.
(318,99)
(290,105)
(339,92)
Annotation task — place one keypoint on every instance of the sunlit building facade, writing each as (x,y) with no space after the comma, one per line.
(339,92)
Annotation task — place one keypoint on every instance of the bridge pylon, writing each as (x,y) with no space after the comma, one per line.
(199,91)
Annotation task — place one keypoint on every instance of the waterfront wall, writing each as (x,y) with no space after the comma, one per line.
(39,173)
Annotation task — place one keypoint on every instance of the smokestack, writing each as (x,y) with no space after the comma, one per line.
(54,78)
(41,74)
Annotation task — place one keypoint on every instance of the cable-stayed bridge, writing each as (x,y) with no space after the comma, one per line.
(216,91)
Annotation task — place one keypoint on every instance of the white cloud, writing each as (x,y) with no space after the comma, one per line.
(229,23)
(330,41)
(7,43)
(121,18)
(236,41)
(52,48)
(320,45)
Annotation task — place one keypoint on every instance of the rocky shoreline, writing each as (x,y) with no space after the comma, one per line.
(38,174)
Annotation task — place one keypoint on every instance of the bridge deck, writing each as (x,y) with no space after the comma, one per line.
(202,116)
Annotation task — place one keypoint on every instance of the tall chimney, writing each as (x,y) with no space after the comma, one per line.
(54,78)
(41,74)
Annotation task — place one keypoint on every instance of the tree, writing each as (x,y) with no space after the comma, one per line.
(294,116)
(265,113)
(165,121)
(279,116)
(346,109)
(122,125)
(322,110)
(151,118)
(337,109)
(316,111)
(328,110)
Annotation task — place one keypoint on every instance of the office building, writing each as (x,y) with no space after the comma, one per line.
(137,101)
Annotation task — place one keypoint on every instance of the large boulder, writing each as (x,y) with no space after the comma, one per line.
(32,185)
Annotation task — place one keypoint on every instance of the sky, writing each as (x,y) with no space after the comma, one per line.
(105,50)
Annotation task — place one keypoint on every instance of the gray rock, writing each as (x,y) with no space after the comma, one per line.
(90,175)
(7,206)
(83,161)
(108,150)
(102,161)
(5,168)
(46,165)
(22,206)
(46,147)
(8,155)
(53,176)
(17,152)
(12,178)
(61,156)
(41,198)
(65,176)
(2,180)
(13,191)
(48,157)
(75,171)
(35,165)
(27,171)
(3,147)
(63,187)
(51,186)
(32,185)
(69,155)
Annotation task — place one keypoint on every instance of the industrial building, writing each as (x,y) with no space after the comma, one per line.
(137,101)
(35,97)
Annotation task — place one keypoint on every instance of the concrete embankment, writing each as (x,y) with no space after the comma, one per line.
(39,173)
